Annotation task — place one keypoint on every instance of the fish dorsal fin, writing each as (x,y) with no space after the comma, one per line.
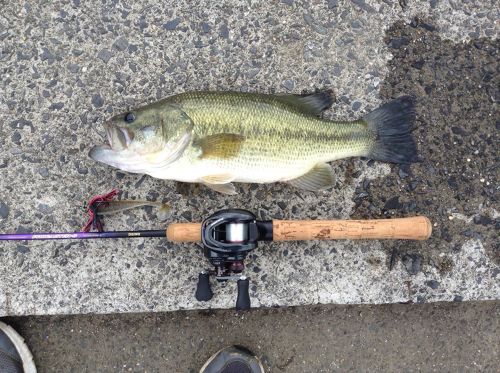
(312,103)
(317,178)
(220,145)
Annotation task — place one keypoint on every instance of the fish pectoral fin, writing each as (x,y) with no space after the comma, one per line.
(220,183)
(312,103)
(317,178)
(220,145)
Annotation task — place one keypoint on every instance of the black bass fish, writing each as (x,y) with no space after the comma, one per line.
(217,138)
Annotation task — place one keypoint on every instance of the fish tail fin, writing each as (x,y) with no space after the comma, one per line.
(392,125)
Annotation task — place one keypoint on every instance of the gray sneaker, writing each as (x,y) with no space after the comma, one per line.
(234,359)
(15,357)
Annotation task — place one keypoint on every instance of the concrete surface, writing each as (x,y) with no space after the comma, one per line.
(66,66)
(446,337)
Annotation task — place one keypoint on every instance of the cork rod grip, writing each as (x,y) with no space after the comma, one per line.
(184,232)
(414,228)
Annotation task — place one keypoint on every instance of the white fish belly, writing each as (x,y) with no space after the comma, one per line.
(185,170)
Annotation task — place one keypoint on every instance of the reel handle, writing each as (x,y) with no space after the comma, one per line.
(243,300)
(203,289)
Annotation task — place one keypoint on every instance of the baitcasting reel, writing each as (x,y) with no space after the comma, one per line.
(228,236)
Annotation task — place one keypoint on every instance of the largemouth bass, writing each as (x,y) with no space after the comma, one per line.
(217,138)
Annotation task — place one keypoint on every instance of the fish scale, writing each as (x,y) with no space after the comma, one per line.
(274,132)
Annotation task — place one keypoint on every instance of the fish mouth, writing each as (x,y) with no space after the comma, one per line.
(109,137)
(107,153)
(124,159)
(119,138)
(114,152)
(102,153)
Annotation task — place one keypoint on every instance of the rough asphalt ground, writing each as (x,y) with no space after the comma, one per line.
(456,89)
(442,337)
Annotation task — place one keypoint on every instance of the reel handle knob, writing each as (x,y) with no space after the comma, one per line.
(203,289)
(243,300)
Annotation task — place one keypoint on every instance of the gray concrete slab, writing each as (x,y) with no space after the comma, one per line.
(67,66)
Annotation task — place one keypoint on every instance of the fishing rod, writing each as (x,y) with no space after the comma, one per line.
(80,235)
(229,235)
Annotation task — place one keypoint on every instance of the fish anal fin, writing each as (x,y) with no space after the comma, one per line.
(312,103)
(317,178)
(220,145)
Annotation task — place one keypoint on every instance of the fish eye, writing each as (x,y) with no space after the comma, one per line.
(129,117)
